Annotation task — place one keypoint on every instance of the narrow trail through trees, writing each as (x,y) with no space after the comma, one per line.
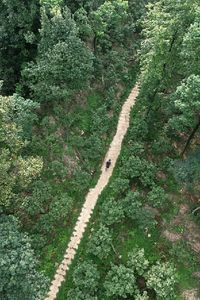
(92,196)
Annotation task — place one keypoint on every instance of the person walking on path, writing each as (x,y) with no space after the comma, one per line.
(108,163)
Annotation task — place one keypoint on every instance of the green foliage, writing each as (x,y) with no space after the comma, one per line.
(191,47)
(16,170)
(64,63)
(144,296)
(162,32)
(132,167)
(111,24)
(138,168)
(85,278)
(23,114)
(18,39)
(157,197)
(109,21)
(100,243)
(83,23)
(137,261)
(120,282)
(19,276)
(41,195)
(48,207)
(138,129)
(51,3)
(137,9)
(112,212)
(134,209)
(183,254)
(58,213)
(187,171)
(78,294)
(120,185)
(162,278)
(187,104)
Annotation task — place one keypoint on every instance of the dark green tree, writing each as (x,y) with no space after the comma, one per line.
(85,279)
(19,24)
(19,278)
(64,63)
(17,171)
(120,282)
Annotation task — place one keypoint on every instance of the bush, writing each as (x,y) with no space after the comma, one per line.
(143,170)
(133,209)
(139,128)
(120,185)
(112,212)
(19,276)
(183,254)
(120,282)
(144,296)
(100,243)
(162,278)
(157,197)
(137,261)
(86,278)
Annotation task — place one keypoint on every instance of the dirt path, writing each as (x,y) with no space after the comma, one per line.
(92,196)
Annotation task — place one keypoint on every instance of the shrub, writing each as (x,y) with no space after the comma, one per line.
(100,243)
(162,278)
(120,282)
(137,261)
(112,212)
(157,197)
(133,208)
(86,278)
(120,185)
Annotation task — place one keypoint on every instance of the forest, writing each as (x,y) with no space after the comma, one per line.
(66,69)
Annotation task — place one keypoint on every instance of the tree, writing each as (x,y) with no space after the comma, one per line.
(112,212)
(190,52)
(162,278)
(18,39)
(137,261)
(20,279)
(157,197)
(144,296)
(17,171)
(134,209)
(120,282)
(24,114)
(85,279)
(100,243)
(187,172)
(139,168)
(187,105)
(64,64)
(137,9)
(78,294)
(83,24)
(164,28)
(112,47)
(88,5)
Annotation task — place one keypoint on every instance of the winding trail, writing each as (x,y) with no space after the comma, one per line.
(92,196)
